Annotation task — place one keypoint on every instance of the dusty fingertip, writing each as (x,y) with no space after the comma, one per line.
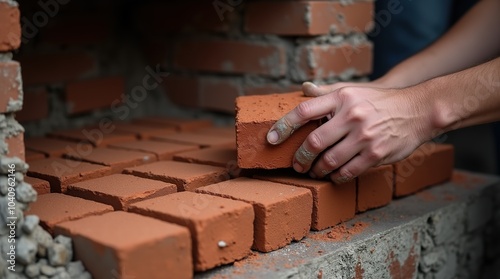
(272,137)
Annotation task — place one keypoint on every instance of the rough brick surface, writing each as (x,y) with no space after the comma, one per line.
(55,147)
(332,203)
(88,95)
(120,190)
(11,87)
(10,27)
(40,186)
(254,117)
(64,66)
(317,61)
(35,105)
(307,17)
(231,57)
(33,155)
(375,188)
(210,220)
(127,245)
(55,208)
(114,158)
(224,156)
(282,212)
(99,135)
(197,139)
(428,165)
(162,150)
(180,124)
(186,176)
(16,146)
(62,172)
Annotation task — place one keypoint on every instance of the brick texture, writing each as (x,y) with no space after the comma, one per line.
(307,17)
(135,246)
(56,147)
(11,90)
(99,135)
(201,140)
(282,212)
(231,57)
(40,186)
(88,95)
(162,150)
(16,146)
(210,220)
(10,27)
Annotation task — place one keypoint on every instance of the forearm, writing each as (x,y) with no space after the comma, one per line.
(474,39)
(466,98)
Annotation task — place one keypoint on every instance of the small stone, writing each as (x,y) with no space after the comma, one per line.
(25,193)
(4,185)
(44,240)
(85,275)
(59,255)
(32,270)
(43,262)
(64,240)
(48,270)
(26,249)
(433,260)
(30,223)
(75,268)
(62,275)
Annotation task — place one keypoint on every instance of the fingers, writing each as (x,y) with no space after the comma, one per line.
(317,141)
(312,90)
(300,115)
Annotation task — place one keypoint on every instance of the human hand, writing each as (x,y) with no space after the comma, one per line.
(366,127)
(312,90)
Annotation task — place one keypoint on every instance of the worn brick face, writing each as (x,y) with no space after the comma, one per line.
(10,27)
(11,92)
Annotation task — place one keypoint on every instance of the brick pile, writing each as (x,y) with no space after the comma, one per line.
(198,215)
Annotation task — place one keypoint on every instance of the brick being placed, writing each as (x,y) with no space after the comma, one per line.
(428,165)
(332,203)
(201,140)
(62,172)
(282,212)
(221,229)
(116,159)
(255,115)
(179,124)
(120,190)
(162,150)
(55,208)
(186,176)
(375,188)
(127,245)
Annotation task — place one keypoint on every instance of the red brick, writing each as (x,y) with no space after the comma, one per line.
(69,30)
(120,190)
(35,105)
(231,57)
(375,188)
(141,131)
(62,172)
(282,212)
(270,88)
(162,150)
(33,156)
(186,176)
(200,140)
(255,115)
(320,61)
(180,124)
(55,208)
(95,135)
(43,68)
(218,131)
(126,245)
(114,158)
(55,147)
(210,220)
(41,186)
(308,17)
(224,156)
(10,27)
(332,203)
(430,164)
(16,146)
(88,95)
(10,86)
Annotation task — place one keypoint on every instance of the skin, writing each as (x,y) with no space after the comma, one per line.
(381,122)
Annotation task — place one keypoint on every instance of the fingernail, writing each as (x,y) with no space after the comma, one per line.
(272,137)
(308,83)
(312,175)
(297,167)
(341,180)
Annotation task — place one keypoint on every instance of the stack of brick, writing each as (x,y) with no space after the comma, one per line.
(225,49)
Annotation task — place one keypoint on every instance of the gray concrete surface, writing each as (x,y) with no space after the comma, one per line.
(448,231)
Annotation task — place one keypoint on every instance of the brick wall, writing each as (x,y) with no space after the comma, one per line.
(85,60)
